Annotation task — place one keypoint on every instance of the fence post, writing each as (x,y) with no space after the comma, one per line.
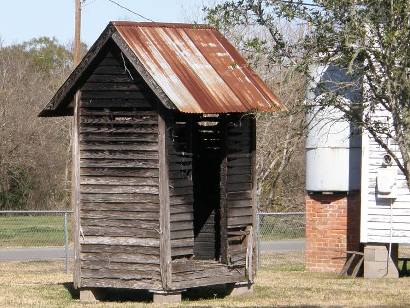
(258,239)
(66,242)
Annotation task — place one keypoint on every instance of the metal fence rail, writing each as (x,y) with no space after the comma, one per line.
(22,231)
(279,231)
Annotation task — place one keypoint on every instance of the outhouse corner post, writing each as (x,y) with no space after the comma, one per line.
(164,199)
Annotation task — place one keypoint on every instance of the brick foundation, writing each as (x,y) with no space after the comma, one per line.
(332,227)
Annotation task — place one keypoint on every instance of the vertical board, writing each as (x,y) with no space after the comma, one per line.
(119,182)
(75,191)
(164,199)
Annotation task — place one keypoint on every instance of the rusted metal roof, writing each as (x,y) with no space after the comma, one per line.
(197,68)
(192,68)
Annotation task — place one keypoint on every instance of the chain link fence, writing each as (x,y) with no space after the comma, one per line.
(46,235)
(279,232)
(35,235)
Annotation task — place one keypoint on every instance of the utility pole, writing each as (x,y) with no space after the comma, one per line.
(77,35)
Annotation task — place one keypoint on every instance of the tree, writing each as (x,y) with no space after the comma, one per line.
(33,152)
(369,40)
(280,159)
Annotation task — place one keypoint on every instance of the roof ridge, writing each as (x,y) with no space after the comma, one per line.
(161,25)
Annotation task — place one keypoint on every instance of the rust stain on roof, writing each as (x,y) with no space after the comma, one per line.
(197,68)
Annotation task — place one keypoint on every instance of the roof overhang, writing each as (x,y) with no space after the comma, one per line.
(190,68)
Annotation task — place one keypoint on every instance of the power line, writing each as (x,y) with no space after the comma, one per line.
(129,10)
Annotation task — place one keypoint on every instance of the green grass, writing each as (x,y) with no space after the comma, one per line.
(32,231)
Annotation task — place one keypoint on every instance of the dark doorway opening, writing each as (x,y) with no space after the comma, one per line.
(207,157)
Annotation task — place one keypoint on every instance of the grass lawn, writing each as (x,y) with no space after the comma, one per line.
(283,281)
(31,231)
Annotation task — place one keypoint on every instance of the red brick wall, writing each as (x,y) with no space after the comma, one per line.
(332,227)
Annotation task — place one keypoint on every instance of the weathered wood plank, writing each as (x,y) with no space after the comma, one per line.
(142,268)
(115,137)
(175,200)
(90,95)
(110,130)
(182,208)
(75,191)
(233,171)
(182,234)
(119,231)
(182,217)
(182,225)
(244,178)
(115,113)
(239,195)
(98,121)
(129,172)
(123,181)
(182,242)
(118,103)
(119,146)
(181,191)
(128,207)
(240,203)
(112,86)
(111,70)
(240,221)
(119,214)
(116,163)
(181,251)
(102,78)
(118,274)
(120,257)
(165,241)
(123,223)
(121,241)
(86,197)
(118,189)
(240,211)
(186,281)
(145,284)
(239,187)
(132,250)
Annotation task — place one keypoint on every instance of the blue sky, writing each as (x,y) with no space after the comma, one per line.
(21,20)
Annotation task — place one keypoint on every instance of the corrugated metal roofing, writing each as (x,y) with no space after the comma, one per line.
(197,68)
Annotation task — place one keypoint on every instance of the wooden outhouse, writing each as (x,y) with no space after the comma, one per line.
(163,159)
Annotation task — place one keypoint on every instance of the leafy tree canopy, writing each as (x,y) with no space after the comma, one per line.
(369,40)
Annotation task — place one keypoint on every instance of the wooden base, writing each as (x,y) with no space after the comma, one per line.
(166,298)
(91,295)
(241,289)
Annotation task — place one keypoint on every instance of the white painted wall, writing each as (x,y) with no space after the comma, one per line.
(378,224)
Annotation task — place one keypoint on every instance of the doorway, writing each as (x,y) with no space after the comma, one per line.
(207,157)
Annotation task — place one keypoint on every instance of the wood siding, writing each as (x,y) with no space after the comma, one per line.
(119,183)
(180,186)
(376,218)
(239,187)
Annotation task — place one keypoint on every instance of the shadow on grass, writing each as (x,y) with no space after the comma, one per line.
(113,295)
(211,292)
(69,286)
(131,295)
